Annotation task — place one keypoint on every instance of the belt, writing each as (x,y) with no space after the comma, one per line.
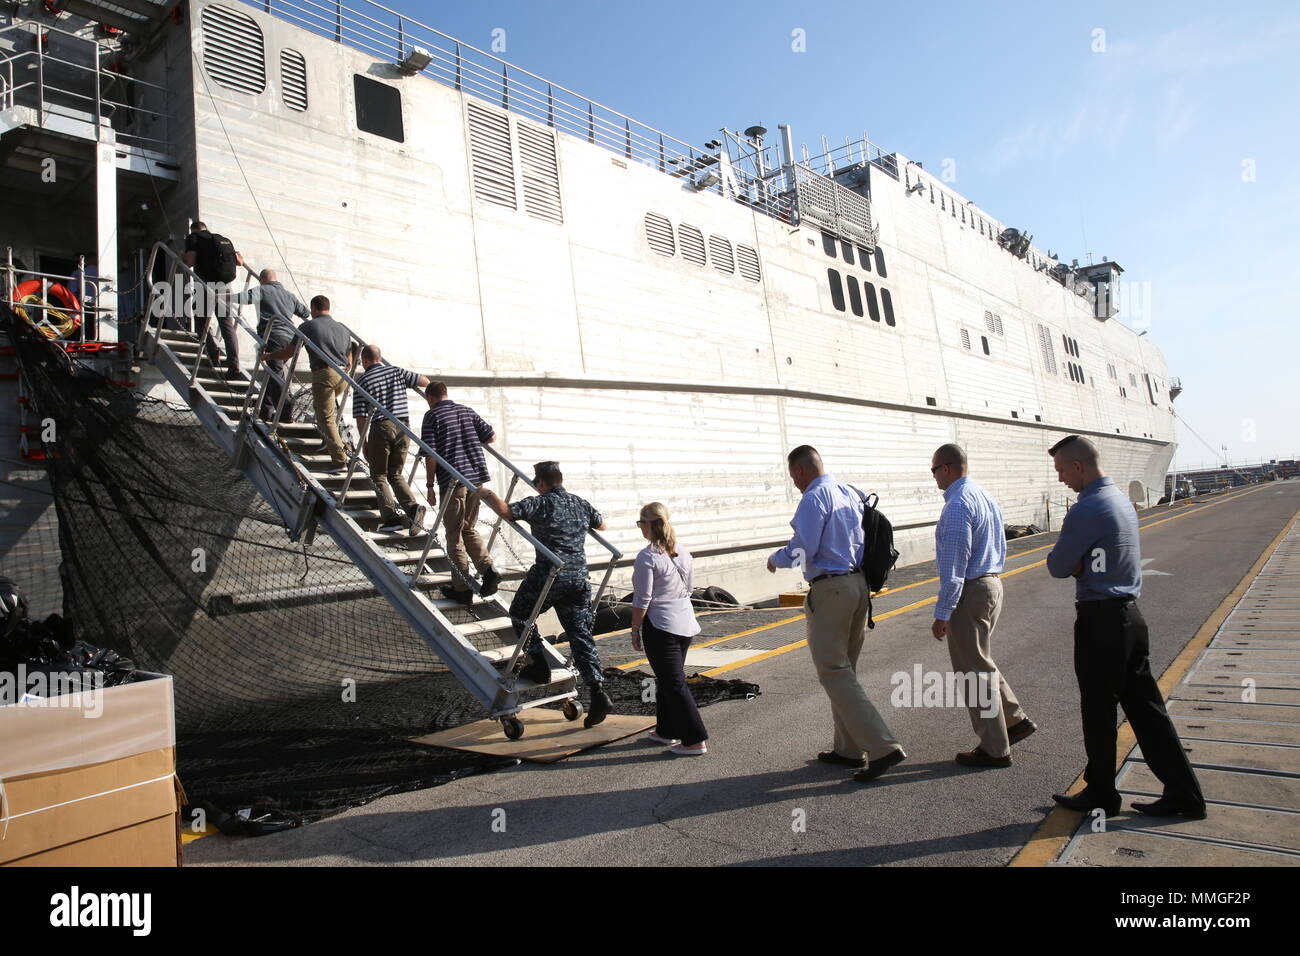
(835,574)
(1099,604)
(991,574)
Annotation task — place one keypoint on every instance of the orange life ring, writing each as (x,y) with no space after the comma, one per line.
(64,316)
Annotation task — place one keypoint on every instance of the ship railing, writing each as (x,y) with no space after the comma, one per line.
(95,87)
(254,402)
(76,283)
(390,36)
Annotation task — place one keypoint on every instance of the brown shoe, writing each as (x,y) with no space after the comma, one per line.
(1020,730)
(978,758)
(830,756)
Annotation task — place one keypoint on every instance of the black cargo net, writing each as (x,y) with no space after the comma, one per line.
(296,687)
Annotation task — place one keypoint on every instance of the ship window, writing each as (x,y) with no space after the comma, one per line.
(931,195)
(691,241)
(233,49)
(747,259)
(659,233)
(828,244)
(873,307)
(888,302)
(855,296)
(942,203)
(837,289)
(1065,341)
(1015,414)
(965,339)
(846,250)
(864,258)
(379,108)
(1038,418)
(984,341)
(293,79)
(880,263)
(930,401)
(720,253)
(994,322)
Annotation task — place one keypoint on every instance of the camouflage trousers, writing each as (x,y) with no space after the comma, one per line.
(571,598)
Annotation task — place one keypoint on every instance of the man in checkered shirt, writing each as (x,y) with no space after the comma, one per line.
(386,444)
(970,552)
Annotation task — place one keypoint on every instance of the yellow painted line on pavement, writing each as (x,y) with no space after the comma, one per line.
(1052,835)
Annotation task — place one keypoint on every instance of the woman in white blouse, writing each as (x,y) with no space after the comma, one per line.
(664,622)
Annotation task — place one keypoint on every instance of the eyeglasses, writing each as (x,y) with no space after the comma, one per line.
(936,468)
(642,521)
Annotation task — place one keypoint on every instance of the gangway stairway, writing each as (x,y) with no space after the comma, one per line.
(283,462)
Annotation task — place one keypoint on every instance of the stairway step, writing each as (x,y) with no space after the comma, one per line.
(214,385)
(470,628)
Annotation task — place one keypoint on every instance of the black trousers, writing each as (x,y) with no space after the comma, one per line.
(675,711)
(1112,662)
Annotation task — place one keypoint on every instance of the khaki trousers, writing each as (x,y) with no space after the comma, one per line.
(836,612)
(464,543)
(970,632)
(386,446)
(326,387)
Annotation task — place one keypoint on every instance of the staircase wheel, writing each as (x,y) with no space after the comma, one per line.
(572,709)
(513,726)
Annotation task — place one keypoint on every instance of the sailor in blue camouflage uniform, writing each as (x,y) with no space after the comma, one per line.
(560,521)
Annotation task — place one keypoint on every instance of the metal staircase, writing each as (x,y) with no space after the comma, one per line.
(476,642)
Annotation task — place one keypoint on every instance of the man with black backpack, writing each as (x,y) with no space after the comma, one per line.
(829,546)
(214,260)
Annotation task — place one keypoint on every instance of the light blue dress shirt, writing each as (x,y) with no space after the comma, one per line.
(828,536)
(969,540)
(1101,530)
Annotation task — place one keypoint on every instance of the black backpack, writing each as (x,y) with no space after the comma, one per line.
(879,554)
(215,258)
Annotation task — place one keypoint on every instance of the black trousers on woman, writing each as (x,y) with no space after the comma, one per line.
(675,709)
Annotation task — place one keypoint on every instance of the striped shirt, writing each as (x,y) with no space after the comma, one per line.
(457,434)
(828,536)
(388,384)
(969,542)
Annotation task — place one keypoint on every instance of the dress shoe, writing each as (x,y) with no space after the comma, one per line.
(878,766)
(1084,801)
(830,756)
(600,706)
(491,578)
(1020,730)
(1164,807)
(979,758)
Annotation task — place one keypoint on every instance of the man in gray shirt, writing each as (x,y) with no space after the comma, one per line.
(1098,546)
(334,340)
(276,307)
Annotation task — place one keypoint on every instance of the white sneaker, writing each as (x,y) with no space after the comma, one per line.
(654,738)
(677,748)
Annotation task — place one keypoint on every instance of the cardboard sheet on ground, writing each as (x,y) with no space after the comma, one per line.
(548,737)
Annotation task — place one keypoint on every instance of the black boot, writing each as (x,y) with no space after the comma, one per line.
(600,706)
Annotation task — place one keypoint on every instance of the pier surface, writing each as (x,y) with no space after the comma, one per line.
(1221,596)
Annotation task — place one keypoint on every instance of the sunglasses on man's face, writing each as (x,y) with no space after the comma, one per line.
(935,469)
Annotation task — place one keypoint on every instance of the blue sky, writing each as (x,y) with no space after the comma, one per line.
(1171,141)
